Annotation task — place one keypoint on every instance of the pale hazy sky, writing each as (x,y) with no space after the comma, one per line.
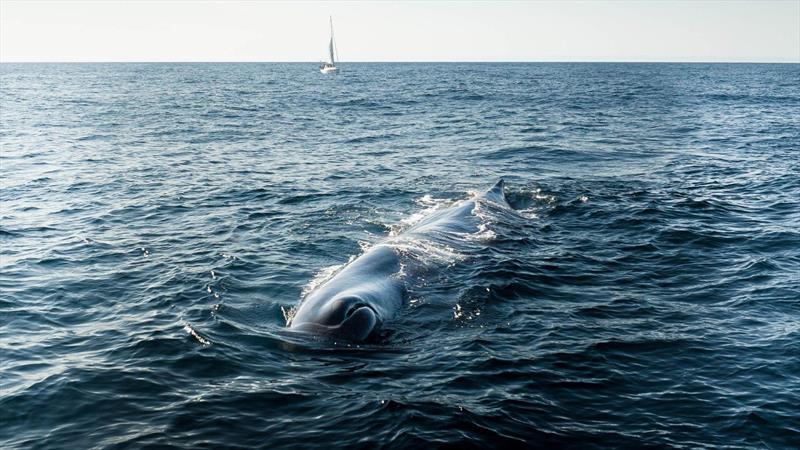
(764,31)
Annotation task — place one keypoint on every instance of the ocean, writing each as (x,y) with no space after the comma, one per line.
(160,222)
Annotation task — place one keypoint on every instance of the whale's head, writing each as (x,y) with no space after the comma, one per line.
(348,317)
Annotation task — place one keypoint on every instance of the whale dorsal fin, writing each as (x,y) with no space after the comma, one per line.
(497,192)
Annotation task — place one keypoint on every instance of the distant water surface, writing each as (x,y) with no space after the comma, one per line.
(158,222)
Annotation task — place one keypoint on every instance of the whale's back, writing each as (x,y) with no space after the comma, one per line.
(459,218)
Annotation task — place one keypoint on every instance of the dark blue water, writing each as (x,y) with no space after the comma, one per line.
(159,222)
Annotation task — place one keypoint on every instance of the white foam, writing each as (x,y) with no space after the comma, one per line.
(531,212)
(427,251)
(463,314)
(484,234)
(426,200)
(193,333)
(364,246)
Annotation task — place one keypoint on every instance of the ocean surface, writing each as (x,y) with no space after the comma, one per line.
(160,222)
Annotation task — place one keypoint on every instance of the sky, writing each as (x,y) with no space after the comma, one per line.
(692,31)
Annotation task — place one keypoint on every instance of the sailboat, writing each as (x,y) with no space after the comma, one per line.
(330,67)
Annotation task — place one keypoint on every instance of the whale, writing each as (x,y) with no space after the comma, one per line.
(357,301)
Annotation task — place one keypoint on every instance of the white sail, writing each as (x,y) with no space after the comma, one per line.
(330,66)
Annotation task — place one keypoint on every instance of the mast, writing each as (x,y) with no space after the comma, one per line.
(330,45)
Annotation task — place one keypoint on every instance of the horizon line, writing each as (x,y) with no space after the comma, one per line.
(415,62)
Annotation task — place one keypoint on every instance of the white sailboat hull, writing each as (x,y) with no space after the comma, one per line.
(329,69)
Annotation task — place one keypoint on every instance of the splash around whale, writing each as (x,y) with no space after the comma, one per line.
(355,303)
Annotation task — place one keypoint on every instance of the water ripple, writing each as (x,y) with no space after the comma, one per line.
(159,222)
